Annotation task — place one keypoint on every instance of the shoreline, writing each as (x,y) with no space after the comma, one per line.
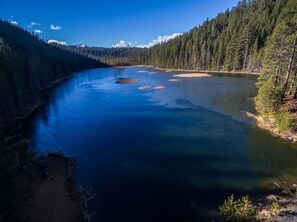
(259,122)
(279,206)
(207,71)
(13,126)
(274,131)
(188,70)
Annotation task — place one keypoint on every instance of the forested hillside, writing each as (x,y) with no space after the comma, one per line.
(28,64)
(112,56)
(234,40)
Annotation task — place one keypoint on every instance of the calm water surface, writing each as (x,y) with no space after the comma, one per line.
(171,155)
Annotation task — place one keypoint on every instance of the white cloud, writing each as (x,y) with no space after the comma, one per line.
(56,42)
(160,39)
(32,24)
(14,22)
(37,31)
(56,27)
(124,44)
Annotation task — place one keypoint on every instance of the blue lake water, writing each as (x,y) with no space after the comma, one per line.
(170,155)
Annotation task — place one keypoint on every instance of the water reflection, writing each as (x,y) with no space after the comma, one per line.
(274,159)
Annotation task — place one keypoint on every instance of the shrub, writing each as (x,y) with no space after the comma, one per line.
(268,98)
(283,120)
(275,209)
(241,210)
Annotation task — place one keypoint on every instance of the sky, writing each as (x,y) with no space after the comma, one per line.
(108,23)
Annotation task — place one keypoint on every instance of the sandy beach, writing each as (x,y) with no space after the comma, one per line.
(193,75)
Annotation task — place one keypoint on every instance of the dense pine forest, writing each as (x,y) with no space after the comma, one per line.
(234,40)
(277,97)
(27,65)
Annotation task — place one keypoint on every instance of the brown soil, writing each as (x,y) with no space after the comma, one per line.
(286,199)
(269,126)
(53,199)
(289,104)
(256,72)
(209,71)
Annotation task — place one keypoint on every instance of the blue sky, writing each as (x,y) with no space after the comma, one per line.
(107,22)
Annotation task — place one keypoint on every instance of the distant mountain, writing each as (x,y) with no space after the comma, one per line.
(111,56)
(28,64)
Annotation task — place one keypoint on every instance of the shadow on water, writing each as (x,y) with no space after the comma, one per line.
(171,155)
(274,157)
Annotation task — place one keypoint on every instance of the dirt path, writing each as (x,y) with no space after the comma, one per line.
(52,200)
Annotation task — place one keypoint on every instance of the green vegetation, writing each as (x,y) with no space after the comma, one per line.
(234,40)
(274,209)
(241,210)
(28,64)
(283,120)
(278,77)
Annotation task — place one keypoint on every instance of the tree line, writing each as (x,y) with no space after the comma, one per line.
(233,41)
(111,56)
(278,79)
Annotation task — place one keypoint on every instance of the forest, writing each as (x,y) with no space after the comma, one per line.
(278,80)
(27,65)
(231,41)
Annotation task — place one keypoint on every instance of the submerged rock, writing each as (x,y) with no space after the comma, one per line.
(143,71)
(159,87)
(126,80)
(174,80)
(144,88)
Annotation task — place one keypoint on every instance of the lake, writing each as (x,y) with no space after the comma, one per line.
(161,155)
